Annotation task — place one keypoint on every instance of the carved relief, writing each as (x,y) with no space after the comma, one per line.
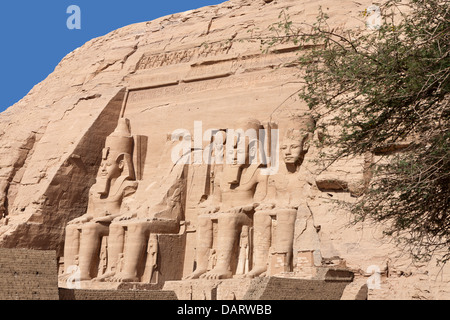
(183,56)
(141,97)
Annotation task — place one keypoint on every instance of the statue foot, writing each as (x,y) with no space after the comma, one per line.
(85,278)
(64,277)
(104,277)
(122,277)
(217,274)
(256,272)
(195,275)
(73,277)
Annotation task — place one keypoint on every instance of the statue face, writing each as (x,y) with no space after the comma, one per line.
(110,169)
(236,154)
(237,157)
(235,160)
(291,151)
(219,146)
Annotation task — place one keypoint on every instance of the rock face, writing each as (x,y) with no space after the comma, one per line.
(174,80)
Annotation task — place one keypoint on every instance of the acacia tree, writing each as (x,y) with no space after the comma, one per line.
(388,88)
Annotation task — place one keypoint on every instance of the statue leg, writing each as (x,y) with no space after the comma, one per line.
(262,230)
(135,247)
(230,225)
(204,245)
(285,234)
(115,248)
(71,249)
(91,236)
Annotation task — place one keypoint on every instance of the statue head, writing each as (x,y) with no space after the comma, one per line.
(116,157)
(220,140)
(295,143)
(242,148)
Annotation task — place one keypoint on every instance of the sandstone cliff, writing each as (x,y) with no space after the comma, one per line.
(180,69)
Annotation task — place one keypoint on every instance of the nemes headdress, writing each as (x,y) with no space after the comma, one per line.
(119,143)
(300,127)
(251,124)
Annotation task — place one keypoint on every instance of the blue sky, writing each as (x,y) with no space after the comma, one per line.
(35,37)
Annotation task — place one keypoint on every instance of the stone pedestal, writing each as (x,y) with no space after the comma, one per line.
(278,264)
(230,289)
(304,265)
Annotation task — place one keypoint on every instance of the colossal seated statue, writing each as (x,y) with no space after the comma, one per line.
(134,236)
(284,198)
(115,181)
(231,206)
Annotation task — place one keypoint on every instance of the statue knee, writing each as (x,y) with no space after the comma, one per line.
(232,220)
(71,229)
(72,235)
(204,222)
(137,228)
(287,216)
(115,229)
(90,229)
(262,217)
